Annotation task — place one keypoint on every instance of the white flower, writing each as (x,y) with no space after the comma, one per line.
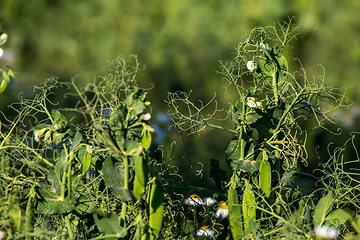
(251,65)
(1,53)
(194,200)
(264,46)
(251,103)
(146,116)
(2,234)
(3,38)
(209,201)
(325,232)
(205,231)
(223,210)
(57,127)
(38,134)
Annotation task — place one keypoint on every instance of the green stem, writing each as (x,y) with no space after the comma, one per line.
(68,226)
(71,156)
(126,186)
(220,127)
(288,109)
(63,186)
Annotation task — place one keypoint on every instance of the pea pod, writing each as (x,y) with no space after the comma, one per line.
(141,172)
(156,207)
(234,212)
(265,175)
(249,203)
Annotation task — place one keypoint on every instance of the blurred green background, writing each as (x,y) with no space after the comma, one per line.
(180,42)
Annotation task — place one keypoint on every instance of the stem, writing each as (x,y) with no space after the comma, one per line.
(126,186)
(71,156)
(68,226)
(287,110)
(63,187)
(282,220)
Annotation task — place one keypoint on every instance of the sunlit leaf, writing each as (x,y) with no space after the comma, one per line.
(323,208)
(109,225)
(337,217)
(87,160)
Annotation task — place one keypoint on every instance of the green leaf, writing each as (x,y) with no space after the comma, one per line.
(76,141)
(235,212)
(87,160)
(322,209)
(55,206)
(109,225)
(337,217)
(4,79)
(58,117)
(141,173)
(114,179)
(132,147)
(265,175)
(248,204)
(156,207)
(14,208)
(146,139)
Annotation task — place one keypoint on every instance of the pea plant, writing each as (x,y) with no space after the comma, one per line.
(270,140)
(90,179)
(88,171)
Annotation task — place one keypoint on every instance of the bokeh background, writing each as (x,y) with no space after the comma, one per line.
(180,42)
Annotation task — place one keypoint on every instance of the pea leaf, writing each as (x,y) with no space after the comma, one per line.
(337,217)
(109,225)
(114,179)
(323,208)
(87,160)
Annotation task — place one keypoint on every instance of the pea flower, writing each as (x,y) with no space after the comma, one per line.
(223,210)
(194,200)
(205,231)
(251,103)
(251,65)
(325,232)
(3,39)
(209,201)
(265,47)
(39,134)
(146,116)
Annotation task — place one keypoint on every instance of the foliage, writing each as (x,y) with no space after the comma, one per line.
(269,140)
(88,171)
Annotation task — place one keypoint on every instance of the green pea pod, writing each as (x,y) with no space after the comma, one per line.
(87,160)
(146,139)
(156,207)
(234,212)
(248,204)
(265,175)
(141,172)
